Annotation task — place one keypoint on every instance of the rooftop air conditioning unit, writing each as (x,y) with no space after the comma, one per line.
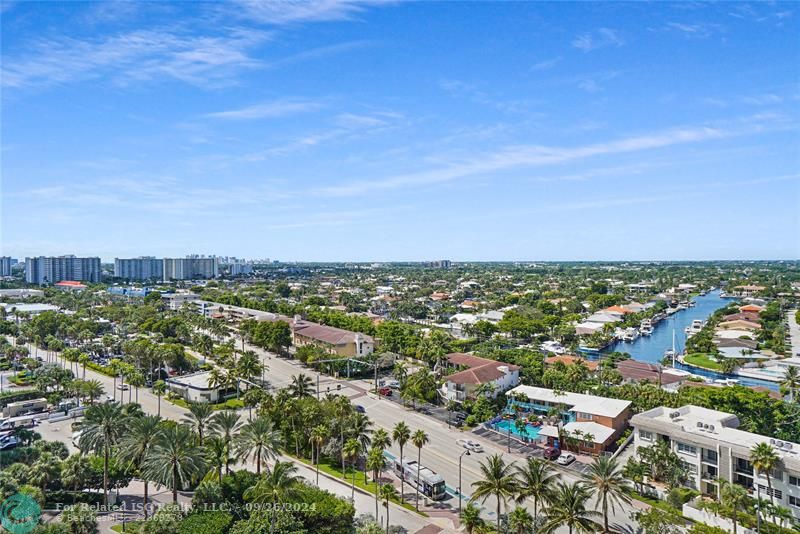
(779,444)
(710,428)
(699,425)
(705,426)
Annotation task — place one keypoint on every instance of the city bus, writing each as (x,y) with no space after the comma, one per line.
(427,481)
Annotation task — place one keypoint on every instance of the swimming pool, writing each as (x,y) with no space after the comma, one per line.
(531,432)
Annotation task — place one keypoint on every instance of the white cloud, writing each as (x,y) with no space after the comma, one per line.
(600,38)
(546,64)
(139,55)
(526,156)
(268,110)
(297,11)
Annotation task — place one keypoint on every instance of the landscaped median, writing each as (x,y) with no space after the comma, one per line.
(230,404)
(362,483)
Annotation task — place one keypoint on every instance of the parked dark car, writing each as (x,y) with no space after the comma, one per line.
(360,409)
(551,453)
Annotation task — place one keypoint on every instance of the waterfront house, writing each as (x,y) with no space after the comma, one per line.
(736,343)
(588,328)
(568,359)
(713,448)
(602,419)
(634,372)
(748,290)
(739,324)
(474,372)
(751,308)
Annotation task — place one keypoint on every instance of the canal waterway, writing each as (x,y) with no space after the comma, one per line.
(651,348)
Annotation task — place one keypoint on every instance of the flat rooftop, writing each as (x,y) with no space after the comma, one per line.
(714,425)
(579,402)
(194,380)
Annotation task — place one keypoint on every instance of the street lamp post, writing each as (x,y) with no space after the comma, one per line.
(459,480)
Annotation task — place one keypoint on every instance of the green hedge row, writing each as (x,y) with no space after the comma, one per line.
(16,396)
(206,523)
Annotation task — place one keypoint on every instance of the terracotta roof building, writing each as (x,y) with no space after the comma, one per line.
(334,340)
(478,371)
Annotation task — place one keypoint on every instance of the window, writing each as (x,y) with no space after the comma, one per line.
(645,435)
(778,494)
(584,415)
(794,481)
(686,449)
(794,501)
(690,468)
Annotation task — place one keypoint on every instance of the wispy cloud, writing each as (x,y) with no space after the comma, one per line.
(546,64)
(696,30)
(347,126)
(528,156)
(268,110)
(143,55)
(600,38)
(298,11)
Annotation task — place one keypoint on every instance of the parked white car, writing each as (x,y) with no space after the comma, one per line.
(565,459)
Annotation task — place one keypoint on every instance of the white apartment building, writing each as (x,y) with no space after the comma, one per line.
(713,448)
(141,268)
(191,268)
(44,270)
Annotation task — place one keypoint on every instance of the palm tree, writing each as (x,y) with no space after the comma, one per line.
(226,424)
(218,379)
(568,509)
(74,471)
(376,463)
(401,434)
(381,439)
(419,439)
(136,380)
(248,365)
(342,408)
(102,427)
(174,459)
(276,486)
(635,472)
(159,388)
(605,479)
(537,479)
(765,459)
(351,450)
(83,359)
(733,497)
(319,434)
(520,520)
(498,481)
(92,389)
(388,493)
(300,386)
(199,418)
(258,439)
(791,381)
(471,518)
(136,444)
(217,453)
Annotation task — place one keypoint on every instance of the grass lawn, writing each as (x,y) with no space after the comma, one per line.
(130,526)
(361,481)
(702,360)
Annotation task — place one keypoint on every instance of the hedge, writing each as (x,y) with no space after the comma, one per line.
(15,396)
(206,523)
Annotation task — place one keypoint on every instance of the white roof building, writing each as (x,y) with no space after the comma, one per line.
(579,402)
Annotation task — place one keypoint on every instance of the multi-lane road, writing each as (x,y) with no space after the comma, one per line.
(441,454)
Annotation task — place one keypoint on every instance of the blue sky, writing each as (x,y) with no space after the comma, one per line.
(347,130)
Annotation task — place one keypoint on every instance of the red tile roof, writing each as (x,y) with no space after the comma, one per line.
(633,370)
(481,370)
(569,360)
(69,283)
(326,334)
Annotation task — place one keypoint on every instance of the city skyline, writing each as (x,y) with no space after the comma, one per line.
(369,131)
